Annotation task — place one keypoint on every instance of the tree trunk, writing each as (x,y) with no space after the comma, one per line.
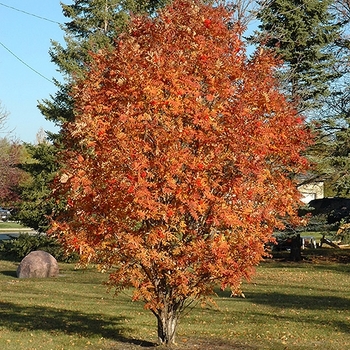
(295,252)
(167,319)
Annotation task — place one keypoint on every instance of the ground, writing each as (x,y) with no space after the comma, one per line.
(309,257)
(320,255)
(187,344)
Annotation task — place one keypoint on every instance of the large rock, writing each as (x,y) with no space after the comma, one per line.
(38,264)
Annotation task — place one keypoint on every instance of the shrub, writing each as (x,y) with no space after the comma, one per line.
(18,248)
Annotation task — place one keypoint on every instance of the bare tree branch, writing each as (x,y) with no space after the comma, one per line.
(3,117)
(244,11)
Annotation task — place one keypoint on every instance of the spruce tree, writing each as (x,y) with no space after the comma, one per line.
(301,31)
(332,148)
(36,197)
(338,106)
(91,25)
(333,141)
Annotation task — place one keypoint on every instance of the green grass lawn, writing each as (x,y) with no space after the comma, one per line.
(287,306)
(11,226)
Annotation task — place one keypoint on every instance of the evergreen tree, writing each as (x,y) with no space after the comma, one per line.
(339,106)
(301,31)
(36,200)
(92,25)
(332,148)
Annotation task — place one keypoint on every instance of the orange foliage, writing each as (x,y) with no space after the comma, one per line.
(180,161)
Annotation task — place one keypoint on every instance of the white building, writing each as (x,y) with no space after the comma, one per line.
(312,190)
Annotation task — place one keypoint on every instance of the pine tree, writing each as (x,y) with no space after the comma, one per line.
(338,106)
(36,198)
(92,25)
(300,31)
(332,148)
(331,152)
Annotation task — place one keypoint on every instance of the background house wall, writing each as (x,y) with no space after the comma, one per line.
(311,191)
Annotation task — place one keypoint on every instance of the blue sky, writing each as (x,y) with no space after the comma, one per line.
(28,37)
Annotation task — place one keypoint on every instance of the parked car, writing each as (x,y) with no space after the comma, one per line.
(4,214)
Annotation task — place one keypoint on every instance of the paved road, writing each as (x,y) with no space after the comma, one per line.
(7,234)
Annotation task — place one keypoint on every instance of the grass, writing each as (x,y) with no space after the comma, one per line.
(12,226)
(296,306)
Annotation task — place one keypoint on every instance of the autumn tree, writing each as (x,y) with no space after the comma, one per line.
(3,116)
(91,25)
(11,152)
(180,160)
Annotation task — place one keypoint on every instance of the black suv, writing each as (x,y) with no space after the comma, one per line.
(4,214)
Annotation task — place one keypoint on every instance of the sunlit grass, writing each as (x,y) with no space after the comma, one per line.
(12,226)
(287,306)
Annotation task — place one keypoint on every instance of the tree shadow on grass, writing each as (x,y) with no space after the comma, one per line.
(18,318)
(9,273)
(337,260)
(294,301)
(300,302)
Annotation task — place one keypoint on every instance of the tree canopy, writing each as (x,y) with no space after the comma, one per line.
(37,203)
(301,32)
(11,153)
(180,160)
(91,25)
(331,149)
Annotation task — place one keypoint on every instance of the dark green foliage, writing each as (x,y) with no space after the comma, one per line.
(58,108)
(18,248)
(37,203)
(301,31)
(334,141)
(311,36)
(95,24)
(326,214)
(332,147)
(91,25)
